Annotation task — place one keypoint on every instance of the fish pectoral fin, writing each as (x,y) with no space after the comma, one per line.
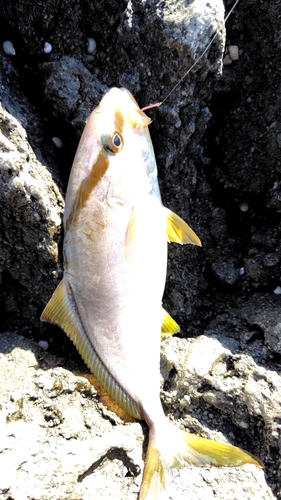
(169,325)
(178,230)
(170,447)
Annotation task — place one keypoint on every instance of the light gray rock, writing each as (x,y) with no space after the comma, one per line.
(57,440)
(219,394)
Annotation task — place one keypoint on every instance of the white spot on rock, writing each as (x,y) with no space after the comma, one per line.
(233,52)
(43,344)
(91,46)
(226,60)
(48,47)
(8,48)
(57,142)
(244,207)
(277,290)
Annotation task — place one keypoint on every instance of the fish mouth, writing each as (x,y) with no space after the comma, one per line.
(124,104)
(126,91)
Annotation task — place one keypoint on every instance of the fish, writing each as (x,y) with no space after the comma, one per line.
(109,301)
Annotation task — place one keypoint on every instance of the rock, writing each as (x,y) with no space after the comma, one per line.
(71,87)
(65,86)
(207,387)
(56,441)
(264,311)
(31,210)
(217,141)
(226,271)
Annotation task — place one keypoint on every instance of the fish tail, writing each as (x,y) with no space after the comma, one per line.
(173,447)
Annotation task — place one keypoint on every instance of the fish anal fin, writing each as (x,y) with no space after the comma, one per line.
(61,310)
(170,447)
(106,399)
(169,325)
(56,311)
(178,230)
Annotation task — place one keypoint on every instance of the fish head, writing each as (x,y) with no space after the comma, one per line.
(115,158)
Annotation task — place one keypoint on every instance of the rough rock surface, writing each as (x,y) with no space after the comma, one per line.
(58,441)
(217,140)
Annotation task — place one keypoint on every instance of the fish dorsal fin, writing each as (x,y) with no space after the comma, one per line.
(169,325)
(62,311)
(179,231)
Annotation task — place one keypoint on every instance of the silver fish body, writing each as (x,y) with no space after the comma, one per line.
(110,299)
(116,253)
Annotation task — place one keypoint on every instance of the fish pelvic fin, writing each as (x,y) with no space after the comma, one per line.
(169,325)
(178,231)
(174,448)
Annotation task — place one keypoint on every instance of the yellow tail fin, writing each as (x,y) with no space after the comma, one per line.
(173,447)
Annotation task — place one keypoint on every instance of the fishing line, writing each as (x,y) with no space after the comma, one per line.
(157,104)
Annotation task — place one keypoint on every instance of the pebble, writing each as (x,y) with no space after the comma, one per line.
(57,142)
(226,60)
(233,52)
(8,48)
(91,46)
(47,48)
(277,290)
(244,207)
(43,344)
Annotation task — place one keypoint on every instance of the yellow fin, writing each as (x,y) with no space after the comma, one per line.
(61,310)
(172,447)
(169,325)
(179,231)
(106,399)
(204,451)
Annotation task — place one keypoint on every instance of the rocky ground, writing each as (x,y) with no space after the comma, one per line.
(217,140)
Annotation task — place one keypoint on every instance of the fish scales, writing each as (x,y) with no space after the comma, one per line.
(117,268)
(110,299)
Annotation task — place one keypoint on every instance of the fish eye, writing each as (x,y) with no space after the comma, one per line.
(112,143)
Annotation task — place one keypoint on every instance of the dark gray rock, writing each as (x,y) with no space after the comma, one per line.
(226,271)
(31,209)
(264,311)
